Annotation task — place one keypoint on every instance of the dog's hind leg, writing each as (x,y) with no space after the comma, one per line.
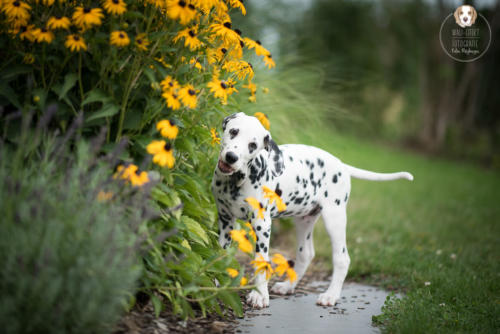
(335,223)
(305,252)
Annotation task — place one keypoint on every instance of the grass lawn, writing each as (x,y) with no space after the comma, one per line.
(437,238)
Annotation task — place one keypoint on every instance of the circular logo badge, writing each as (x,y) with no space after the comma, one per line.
(465,35)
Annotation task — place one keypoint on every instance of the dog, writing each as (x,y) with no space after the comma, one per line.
(465,16)
(310,181)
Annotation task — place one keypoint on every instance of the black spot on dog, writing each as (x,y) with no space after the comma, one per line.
(326,193)
(340,174)
(291,159)
(226,235)
(257,248)
(233,133)
(308,236)
(266,234)
(335,179)
(299,200)
(296,192)
(337,201)
(298,179)
(343,250)
(307,162)
(218,183)
(265,249)
(315,211)
(321,163)
(262,245)
(312,166)
(346,197)
(259,228)
(300,249)
(242,209)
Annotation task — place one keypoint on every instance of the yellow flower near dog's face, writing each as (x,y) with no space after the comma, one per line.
(167,128)
(162,153)
(218,88)
(86,18)
(119,38)
(263,119)
(240,236)
(215,139)
(75,43)
(254,203)
(284,266)
(262,266)
(274,196)
(251,231)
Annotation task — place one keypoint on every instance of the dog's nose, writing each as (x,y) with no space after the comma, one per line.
(466,19)
(231,157)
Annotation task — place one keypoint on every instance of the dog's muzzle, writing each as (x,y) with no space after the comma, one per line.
(224,167)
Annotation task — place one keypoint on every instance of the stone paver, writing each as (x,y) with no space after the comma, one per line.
(299,313)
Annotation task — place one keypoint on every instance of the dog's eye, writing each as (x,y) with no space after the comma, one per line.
(252,147)
(233,133)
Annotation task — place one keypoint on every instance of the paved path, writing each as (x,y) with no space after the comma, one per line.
(300,314)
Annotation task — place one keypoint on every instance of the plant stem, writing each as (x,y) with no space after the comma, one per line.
(80,74)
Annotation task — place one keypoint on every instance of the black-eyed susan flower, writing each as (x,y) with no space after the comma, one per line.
(256,205)
(187,95)
(169,84)
(196,63)
(119,38)
(216,55)
(224,31)
(58,22)
(232,272)
(241,68)
(252,99)
(240,236)
(16,9)
(251,231)
(162,153)
(263,119)
(243,281)
(142,42)
(26,32)
(231,86)
(139,179)
(172,100)
(218,88)
(215,138)
(75,43)
(43,35)
(48,2)
(205,5)
(130,174)
(28,58)
(274,196)
(262,266)
(238,4)
(167,128)
(284,266)
(104,196)
(259,49)
(114,7)
(181,10)
(251,87)
(268,61)
(190,38)
(160,4)
(265,90)
(86,17)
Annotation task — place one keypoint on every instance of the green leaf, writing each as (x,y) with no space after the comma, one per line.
(194,227)
(96,95)
(7,92)
(69,81)
(232,300)
(12,72)
(107,110)
(156,305)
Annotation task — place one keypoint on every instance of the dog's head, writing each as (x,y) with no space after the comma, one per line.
(465,16)
(243,138)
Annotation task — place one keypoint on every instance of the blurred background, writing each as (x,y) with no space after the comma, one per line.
(376,69)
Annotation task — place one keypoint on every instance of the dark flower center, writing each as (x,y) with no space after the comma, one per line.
(138,41)
(58,17)
(43,30)
(291,263)
(121,35)
(190,6)
(223,50)
(16,4)
(191,33)
(191,92)
(270,56)
(172,122)
(242,44)
(76,38)
(116,2)
(24,29)
(223,84)
(182,3)
(86,10)
(261,206)
(171,84)
(258,42)
(238,31)
(227,25)
(174,96)
(251,66)
(168,146)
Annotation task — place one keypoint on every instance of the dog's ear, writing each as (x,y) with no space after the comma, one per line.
(474,15)
(456,14)
(228,118)
(275,155)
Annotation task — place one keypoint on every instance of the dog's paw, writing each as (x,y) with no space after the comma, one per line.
(256,300)
(327,299)
(282,288)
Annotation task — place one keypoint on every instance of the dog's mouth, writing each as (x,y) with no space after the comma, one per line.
(224,167)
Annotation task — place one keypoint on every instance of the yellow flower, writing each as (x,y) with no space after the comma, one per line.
(15,9)
(268,61)
(129,173)
(232,272)
(43,35)
(243,281)
(161,4)
(262,266)
(115,7)
(75,42)
(180,10)
(241,238)
(28,58)
(196,63)
(162,153)
(141,42)
(252,99)
(187,95)
(241,68)
(48,2)
(61,22)
(263,119)
(216,55)
(85,18)
(139,179)
(167,128)
(251,231)
(26,32)
(284,266)
(190,39)
(259,49)
(265,90)
(104,196)
(238,4)
(218,88)
(215,139)
(254,203)
(274,196)
(172,100)
(251,87)
(224,31)
(119,38)
(169,84)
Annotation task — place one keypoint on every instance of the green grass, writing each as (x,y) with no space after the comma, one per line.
(442,228)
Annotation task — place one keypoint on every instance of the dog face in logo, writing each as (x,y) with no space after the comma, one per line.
(465,16)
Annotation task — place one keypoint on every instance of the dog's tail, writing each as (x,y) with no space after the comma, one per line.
(372,176)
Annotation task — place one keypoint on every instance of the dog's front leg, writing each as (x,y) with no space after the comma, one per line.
(226,224)
(259,298)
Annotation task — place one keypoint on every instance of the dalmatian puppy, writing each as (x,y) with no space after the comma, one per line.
(465,16)
(309,180)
